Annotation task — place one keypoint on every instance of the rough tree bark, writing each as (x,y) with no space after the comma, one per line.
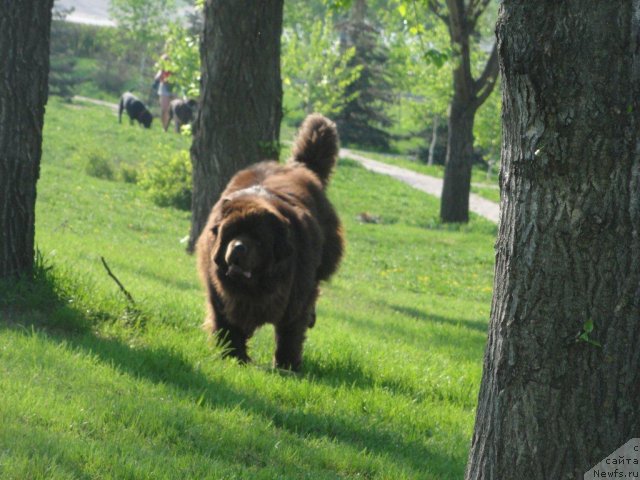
(468,95)
(24,70)
(241,97)
(561,382)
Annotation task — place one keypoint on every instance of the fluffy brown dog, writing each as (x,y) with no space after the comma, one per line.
(269,241)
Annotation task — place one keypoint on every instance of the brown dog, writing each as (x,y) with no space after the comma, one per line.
(269,241)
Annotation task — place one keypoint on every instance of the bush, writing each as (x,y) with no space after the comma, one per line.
(169,184)
(128,174)
(98,165)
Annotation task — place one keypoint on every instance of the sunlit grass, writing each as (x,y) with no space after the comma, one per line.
(91,389)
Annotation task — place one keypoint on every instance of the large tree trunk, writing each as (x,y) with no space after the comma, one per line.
(241,97)
(561,381)
(454,204)
(24,70)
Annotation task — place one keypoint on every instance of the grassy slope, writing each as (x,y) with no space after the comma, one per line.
(391,369)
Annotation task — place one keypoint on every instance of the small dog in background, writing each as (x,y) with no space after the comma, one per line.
(135,109)
(182,112)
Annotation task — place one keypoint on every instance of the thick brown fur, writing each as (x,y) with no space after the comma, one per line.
(270,239)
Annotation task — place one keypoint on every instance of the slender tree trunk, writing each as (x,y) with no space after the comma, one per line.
(561,381)
(469,94)
(434,139)
(241,97)
(454,204)
(24,70)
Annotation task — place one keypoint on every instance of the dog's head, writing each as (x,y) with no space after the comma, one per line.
(252,243)
(193,105)
(145,118)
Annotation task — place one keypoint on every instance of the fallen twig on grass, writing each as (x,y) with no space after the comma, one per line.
(132,315)
(118,282)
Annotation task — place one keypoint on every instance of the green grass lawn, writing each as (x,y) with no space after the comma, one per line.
(92,388)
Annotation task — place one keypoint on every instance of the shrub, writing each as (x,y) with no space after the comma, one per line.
(97,164)
(169,184)
(128,174)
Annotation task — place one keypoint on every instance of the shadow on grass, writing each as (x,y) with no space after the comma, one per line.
(345,370)
(170,368)
(164,279)
(475,325)
(351,374)
(456,343)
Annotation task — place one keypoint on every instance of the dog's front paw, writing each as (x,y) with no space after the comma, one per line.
(286,363)
(240,355)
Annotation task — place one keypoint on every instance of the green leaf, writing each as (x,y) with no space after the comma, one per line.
(338,5)
(588,326)
(435,57)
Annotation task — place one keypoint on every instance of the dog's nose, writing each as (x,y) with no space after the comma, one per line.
(237,250)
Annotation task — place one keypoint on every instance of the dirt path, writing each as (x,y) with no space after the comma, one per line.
(102,103)
(431,185)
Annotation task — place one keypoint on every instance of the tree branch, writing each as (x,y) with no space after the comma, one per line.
(436,8)
(487,81)
(457,21)
(475,9)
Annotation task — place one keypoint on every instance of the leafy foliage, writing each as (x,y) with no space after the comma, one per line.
(317,71)
(169,184)
(428,57)
(62,63)
(421,64)
(364,118)
(128,174)
(182,49)
(97,163)
(141,27)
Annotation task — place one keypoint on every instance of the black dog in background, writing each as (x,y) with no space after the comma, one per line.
(135,109)
(182,112)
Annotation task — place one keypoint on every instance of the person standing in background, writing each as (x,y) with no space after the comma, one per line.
(165,94)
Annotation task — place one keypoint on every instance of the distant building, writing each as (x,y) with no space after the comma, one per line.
(92,12)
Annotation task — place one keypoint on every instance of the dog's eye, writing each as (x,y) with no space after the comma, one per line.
(214,230)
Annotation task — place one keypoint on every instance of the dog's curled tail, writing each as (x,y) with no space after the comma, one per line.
(317,146)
